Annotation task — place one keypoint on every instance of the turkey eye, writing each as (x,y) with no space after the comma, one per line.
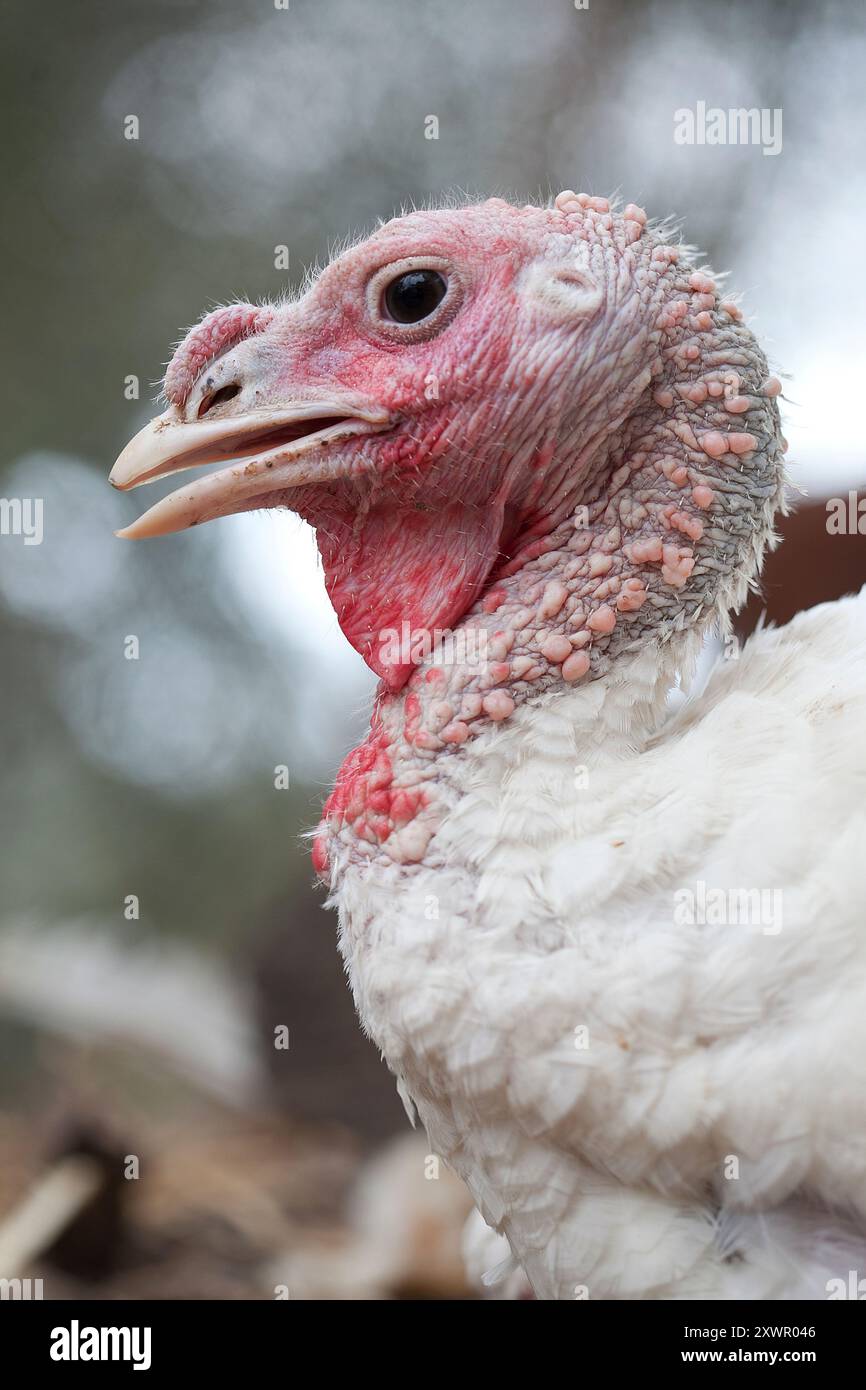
(414,295)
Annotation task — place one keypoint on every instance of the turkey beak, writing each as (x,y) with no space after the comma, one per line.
(272,450)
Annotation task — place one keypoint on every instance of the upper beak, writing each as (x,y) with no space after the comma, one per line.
(272,449)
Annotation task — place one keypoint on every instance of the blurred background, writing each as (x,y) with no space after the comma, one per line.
(159,925)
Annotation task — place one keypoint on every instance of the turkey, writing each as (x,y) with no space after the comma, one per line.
(609,945)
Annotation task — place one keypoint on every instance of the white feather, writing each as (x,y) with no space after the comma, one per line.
(605,1157)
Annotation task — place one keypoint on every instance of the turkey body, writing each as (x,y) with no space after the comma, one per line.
(625,990)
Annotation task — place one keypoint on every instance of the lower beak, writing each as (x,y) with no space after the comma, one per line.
(271,449)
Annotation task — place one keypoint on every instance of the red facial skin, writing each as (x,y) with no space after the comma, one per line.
(365,795)
(560,445)
(392,552)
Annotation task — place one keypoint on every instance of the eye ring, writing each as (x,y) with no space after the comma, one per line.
(442,309)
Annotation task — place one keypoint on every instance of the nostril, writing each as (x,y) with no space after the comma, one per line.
(225,393)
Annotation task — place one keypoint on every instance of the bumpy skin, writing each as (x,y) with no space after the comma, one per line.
(578,476)
(619,463)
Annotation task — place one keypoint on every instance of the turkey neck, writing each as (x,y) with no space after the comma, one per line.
(568,627)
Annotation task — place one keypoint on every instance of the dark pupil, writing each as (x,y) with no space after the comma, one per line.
(414,296)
